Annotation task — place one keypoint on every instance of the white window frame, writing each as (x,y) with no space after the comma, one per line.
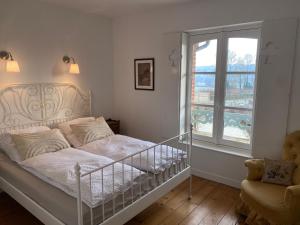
(222,35)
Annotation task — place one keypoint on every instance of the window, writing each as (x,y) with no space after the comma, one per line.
(222,71)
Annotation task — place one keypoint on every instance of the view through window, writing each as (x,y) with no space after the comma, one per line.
(223,73)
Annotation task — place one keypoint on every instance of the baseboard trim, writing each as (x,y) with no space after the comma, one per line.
(216,178)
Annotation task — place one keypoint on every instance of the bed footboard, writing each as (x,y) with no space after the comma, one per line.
(118,191)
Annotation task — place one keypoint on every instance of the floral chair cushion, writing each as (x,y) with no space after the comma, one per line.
(278,172)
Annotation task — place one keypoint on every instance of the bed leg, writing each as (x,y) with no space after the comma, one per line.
(189,161)
(190,188)
(79,202)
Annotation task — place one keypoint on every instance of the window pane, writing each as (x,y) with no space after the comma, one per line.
(240,90)
(241,54)
(203,89)
(204,56)
(202,119)
(237,125)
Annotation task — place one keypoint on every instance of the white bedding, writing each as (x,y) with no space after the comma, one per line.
(117,147)
(58,169)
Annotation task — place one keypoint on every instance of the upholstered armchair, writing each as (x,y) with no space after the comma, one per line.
(265,203)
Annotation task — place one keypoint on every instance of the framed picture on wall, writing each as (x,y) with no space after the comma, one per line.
(144,74)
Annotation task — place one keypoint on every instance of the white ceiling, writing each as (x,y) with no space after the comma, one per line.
(114,8)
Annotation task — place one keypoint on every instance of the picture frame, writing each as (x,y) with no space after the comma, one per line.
(144,74)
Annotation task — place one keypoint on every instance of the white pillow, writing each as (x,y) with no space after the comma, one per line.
(8,146)
(65,127)
(34,144)
(67,131)
(91,131)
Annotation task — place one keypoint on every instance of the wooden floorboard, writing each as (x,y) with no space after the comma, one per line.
(212,204)
(11,213)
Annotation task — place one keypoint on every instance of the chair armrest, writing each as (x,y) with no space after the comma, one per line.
(292,198)
(255,168)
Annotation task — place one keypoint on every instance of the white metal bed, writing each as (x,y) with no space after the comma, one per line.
(27,105)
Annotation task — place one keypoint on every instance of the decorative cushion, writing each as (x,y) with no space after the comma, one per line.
(278,172)
(8,146)
(91,131)
(33,144)
(67,131)
(65,127)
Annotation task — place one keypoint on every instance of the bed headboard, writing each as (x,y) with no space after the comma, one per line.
(25,105)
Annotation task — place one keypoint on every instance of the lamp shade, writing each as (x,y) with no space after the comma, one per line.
(12,66)
(74,68)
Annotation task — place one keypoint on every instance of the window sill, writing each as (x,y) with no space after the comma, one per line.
(222,148)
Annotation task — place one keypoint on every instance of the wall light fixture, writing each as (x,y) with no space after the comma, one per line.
(74,67)
(12,66)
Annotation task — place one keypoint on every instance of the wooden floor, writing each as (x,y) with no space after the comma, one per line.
(212,203)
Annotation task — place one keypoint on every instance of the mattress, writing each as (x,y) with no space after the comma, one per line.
(57,202)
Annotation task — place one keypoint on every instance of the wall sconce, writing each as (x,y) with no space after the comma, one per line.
(74,67)
(269,51)
(12,66)
(174,59)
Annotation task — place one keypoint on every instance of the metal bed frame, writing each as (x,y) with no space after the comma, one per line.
(180,173)
(62,102)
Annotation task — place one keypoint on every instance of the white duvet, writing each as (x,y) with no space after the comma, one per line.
(117,147)
(58,169)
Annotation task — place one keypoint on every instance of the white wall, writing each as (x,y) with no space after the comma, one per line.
(273,86)
(39,35)
(154,115)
